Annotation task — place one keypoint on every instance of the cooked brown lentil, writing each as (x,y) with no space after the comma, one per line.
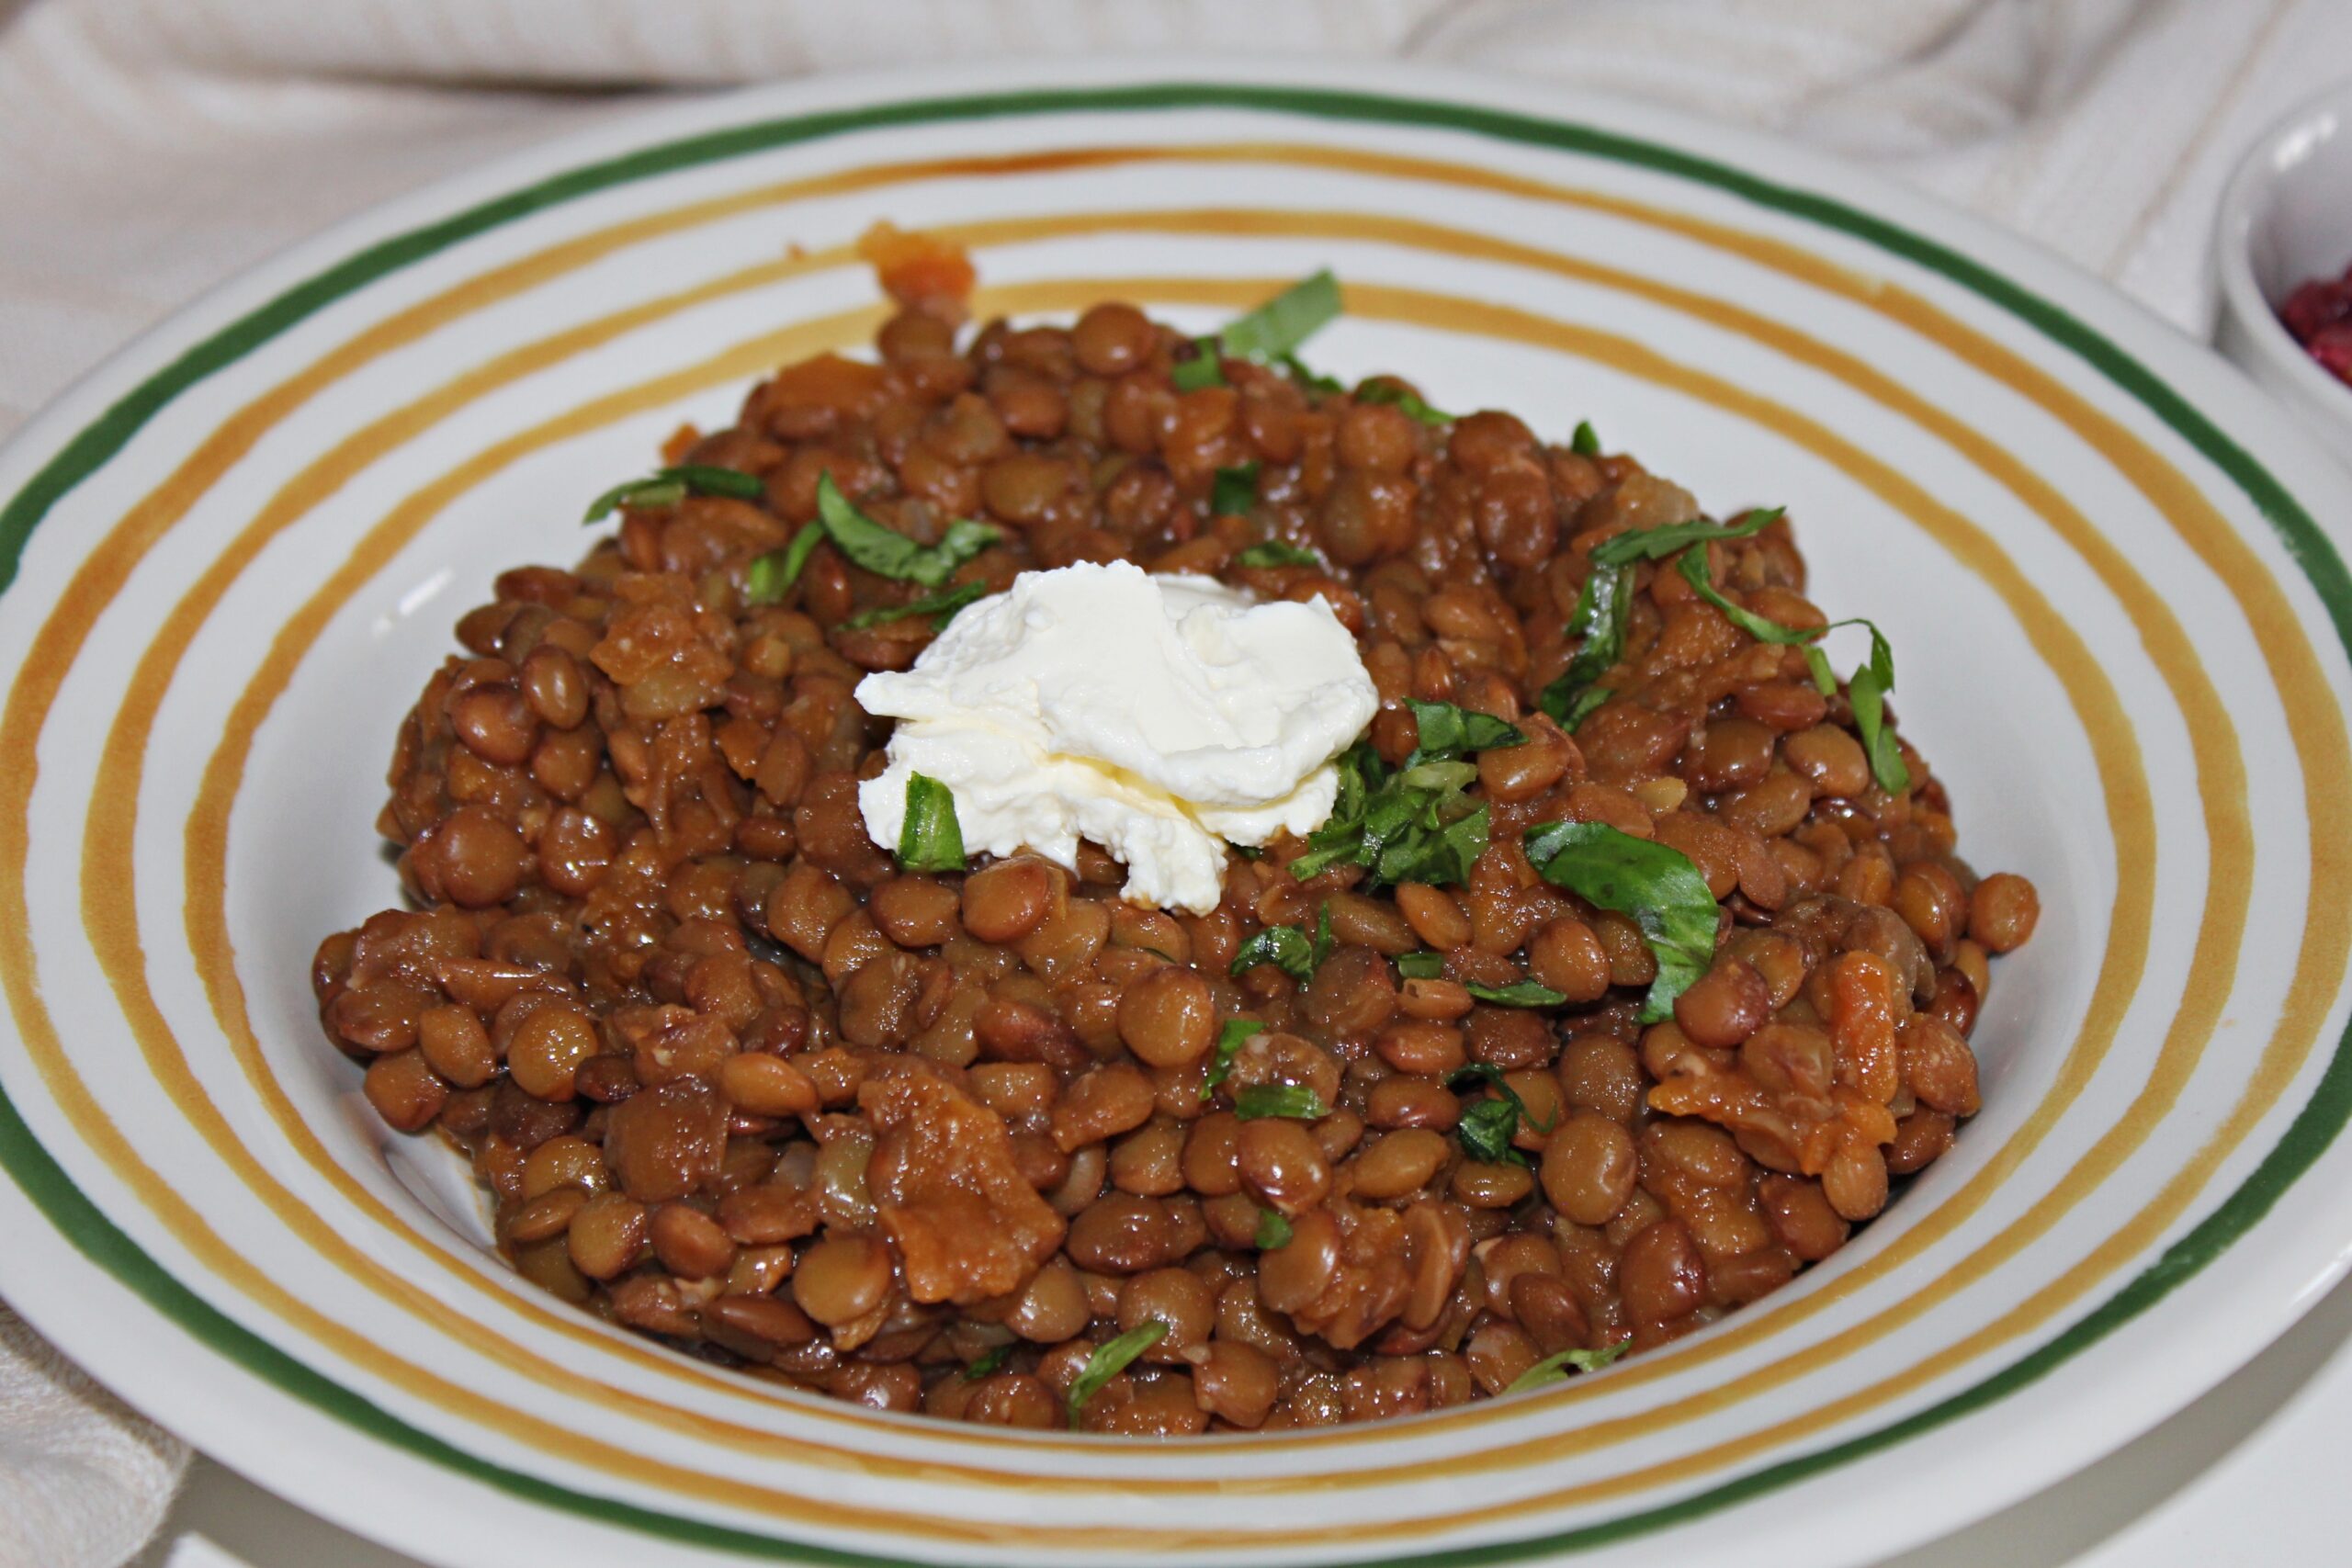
(733,1080)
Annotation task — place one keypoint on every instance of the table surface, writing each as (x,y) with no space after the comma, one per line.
(2252,1473)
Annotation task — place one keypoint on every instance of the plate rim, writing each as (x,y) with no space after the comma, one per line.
(1660,141)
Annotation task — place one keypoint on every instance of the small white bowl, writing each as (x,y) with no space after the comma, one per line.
(2286,218)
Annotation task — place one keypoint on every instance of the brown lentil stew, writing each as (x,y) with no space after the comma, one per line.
(928,1142)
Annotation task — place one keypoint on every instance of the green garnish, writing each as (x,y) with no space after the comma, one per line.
(941,607)
(1867,690)
(1235,492)
(1583,705)
(1382,392)
(1656,885)
(886,554)
(1229,1041)
(989,1364)
(1412,826)
(1288,948)
(667,487)
(930,839)
(1295,1100)
(773,574)
(1518,994)
(1447,731)
(1109,1361)
(1487,1129)
(1273,552)
(1606,606)
(1586,442)
(1326,385)
(1274,1231)
(1420,965)
(1202,370)
(1269,334)
(1555,1369)
(1277,327)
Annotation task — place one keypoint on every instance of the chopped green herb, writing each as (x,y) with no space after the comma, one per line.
(1656,885)
(667,487)
(989,1364)
(1326,385)
(1109,1361)
(888,554)
(773,574)
(1555,1369)
(1273,552)
(1487,1129)
(1274,1231)
(1586,442)
(1277,327)
(1440,774)
(1229,1041)
(1203,369)
(1447,731)
(1288,948)
(1606,606)
(1401,398)
(1584,706)
(1398,827)
(930,839)
(1420,965)
(1295,1100)
(941,607)
(1867,690)
(1518,994)
(1235,492)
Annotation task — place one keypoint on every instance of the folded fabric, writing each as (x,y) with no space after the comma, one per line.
(82,1481)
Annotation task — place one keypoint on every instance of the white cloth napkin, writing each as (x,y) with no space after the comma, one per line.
(82,1481)
(149,148)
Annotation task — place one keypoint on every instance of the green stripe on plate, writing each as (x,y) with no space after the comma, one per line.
(76,1218)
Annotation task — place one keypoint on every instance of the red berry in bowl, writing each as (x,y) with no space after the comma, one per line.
(2332,346)
(2314,306)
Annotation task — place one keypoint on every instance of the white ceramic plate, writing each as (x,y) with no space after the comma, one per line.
(241,546)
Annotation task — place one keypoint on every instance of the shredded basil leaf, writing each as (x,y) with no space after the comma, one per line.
(1606,606)
(1274,1231)
(1487,1129)
(1420,965)
(1326,385)
(1447,731)
(930,839)
(1583,705)
(773,574)
(941,607)
(888,554)
(1867,690)
(1657,543)
(1229,1041)
(1656,885)
(1273,552)
(1295,1100)
(1235,492)
(1203,369)
(1586,442)
(1398,397)
(1555,1369)
(1109,1361)
(667,487)
(1282,323)
(989,1364)
(1399,828)
(1518,994)
(1288,948)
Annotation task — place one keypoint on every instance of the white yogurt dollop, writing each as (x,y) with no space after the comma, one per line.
(1161,717)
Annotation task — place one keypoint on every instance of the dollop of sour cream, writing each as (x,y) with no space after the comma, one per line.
(1161,717)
